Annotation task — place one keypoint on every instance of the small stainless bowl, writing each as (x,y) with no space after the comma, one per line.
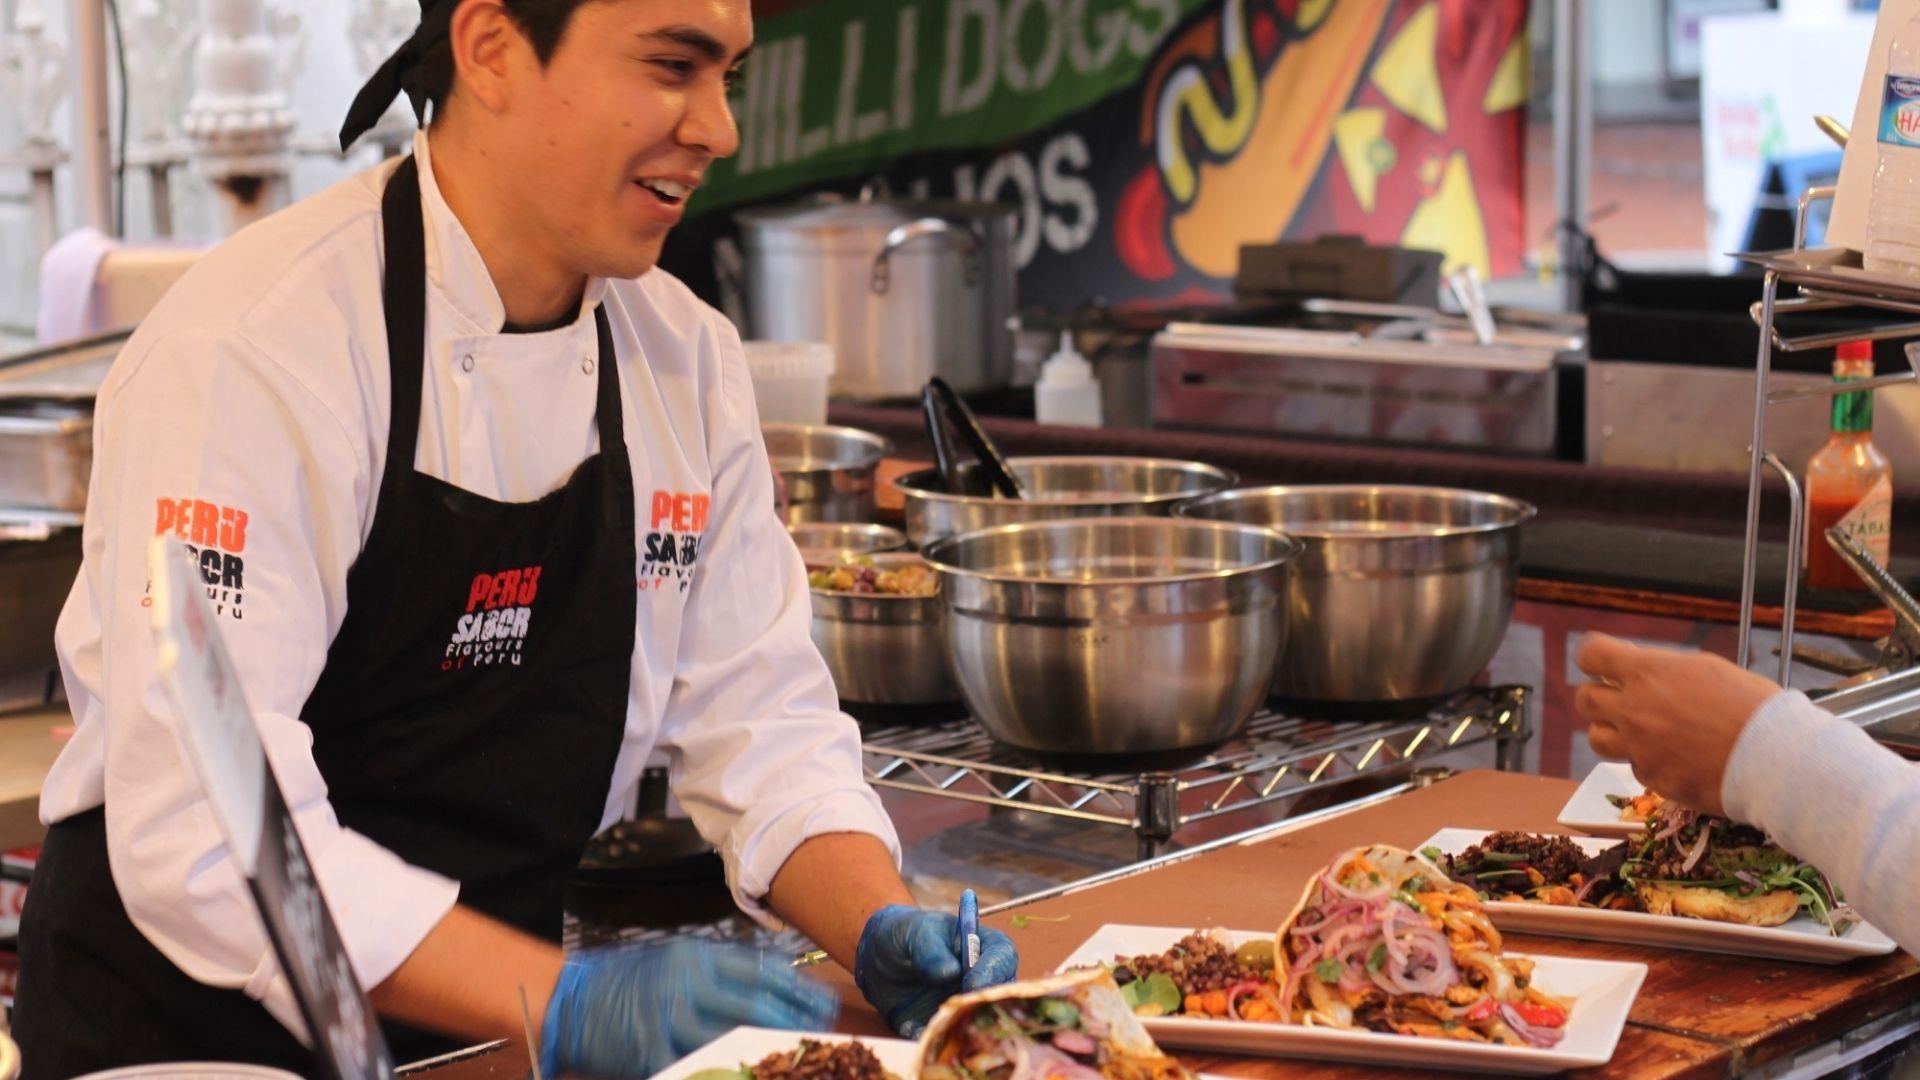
(1057,487)
(827,473)
(884,649)
(1401,593)
(1114,636)
(826,543)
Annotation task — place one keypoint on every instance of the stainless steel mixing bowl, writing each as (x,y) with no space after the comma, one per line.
(1104,636)
(1400,593)
(827,471)
(824,543)
(1057,487)
(884,649)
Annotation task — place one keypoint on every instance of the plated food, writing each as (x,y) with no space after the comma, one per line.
(752,1053)
(1521,866)
(1203,974)
(812,1059)
(1071,1026)
(1707,867)
(1684,864)
(865,575)
(1382,940)
(1614,910)
(1636,808)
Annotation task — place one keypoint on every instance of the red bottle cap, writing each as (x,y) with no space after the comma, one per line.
(1854,350)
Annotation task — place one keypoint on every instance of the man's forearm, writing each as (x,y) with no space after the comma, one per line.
(831,884)
(465,978)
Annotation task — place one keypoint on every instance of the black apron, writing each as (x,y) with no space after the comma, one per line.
(467,719)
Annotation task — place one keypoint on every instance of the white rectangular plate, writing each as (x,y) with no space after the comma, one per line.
(1590,812)
(1603,991)
(1804,938)
(747,1045)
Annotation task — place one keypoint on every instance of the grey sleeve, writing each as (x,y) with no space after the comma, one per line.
(1828,793)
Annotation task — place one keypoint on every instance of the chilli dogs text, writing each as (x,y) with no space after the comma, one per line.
(494,628)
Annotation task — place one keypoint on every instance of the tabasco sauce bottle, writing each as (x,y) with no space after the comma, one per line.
(1849,481)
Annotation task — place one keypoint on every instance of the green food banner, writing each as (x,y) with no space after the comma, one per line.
(1141,141)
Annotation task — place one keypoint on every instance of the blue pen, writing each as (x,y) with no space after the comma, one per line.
(969,931)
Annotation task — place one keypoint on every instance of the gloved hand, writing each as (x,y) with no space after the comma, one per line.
(908,963)
(632,1010)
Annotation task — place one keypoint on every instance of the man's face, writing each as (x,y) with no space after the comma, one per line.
(615,131)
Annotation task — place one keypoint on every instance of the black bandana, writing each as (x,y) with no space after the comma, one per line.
(400,72)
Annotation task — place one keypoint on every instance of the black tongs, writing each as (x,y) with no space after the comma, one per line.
(942,406)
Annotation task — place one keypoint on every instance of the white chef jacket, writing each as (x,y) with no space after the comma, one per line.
(248,416)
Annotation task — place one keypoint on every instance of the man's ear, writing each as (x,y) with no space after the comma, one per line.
(485,41)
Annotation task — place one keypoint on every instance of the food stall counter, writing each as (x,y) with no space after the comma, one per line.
(1697,1015)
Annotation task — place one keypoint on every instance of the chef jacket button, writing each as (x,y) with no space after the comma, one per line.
(466,362)
(586,365)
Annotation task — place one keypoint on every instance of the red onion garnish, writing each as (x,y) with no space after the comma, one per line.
(1699,849)
(1531,1034)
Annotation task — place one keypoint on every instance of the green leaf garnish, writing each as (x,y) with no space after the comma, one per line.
(1059,1012)
(1377,957)
(1155,992)
(1328,970)
(1021,922)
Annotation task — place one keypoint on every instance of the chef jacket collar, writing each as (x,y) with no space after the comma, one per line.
(454,265)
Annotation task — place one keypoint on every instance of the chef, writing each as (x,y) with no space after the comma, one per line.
(480,499)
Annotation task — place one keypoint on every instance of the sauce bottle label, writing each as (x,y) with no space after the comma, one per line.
(1870,522)
(1900,111)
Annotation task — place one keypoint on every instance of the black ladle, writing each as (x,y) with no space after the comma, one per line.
(940,405)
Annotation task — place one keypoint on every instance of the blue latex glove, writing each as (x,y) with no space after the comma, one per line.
(908,963)
(632,1010)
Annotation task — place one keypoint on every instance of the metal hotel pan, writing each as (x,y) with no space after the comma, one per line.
(828,472)
(46,422)
(46,454)
(1084,486)
(1401,594)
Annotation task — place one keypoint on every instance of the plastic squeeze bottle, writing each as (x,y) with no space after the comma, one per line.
(1067,392)
(1849,481)
(1893,213)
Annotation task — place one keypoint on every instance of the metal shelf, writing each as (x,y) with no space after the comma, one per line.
(1277,757)
(1823,279)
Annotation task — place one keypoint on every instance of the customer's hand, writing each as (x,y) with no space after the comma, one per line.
(1674,715)
(632,1010)
(908,963)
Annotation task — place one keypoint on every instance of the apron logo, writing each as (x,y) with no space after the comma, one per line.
(493,630)
(672,547)
(215,537)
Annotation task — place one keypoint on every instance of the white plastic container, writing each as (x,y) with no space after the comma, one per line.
(192,1070)
(790,380)
(1893,215)
(1067,392)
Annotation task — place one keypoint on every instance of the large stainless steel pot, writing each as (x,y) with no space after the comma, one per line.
(1400,593)
(826,473)
(902,289)
(884,649)
(1057,487)
(825,543)
(1114,635)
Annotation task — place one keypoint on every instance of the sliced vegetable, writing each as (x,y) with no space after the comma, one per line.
(1540,1015)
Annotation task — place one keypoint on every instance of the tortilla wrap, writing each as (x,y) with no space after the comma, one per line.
(1092,990)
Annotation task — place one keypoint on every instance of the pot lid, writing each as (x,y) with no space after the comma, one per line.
(817,212)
